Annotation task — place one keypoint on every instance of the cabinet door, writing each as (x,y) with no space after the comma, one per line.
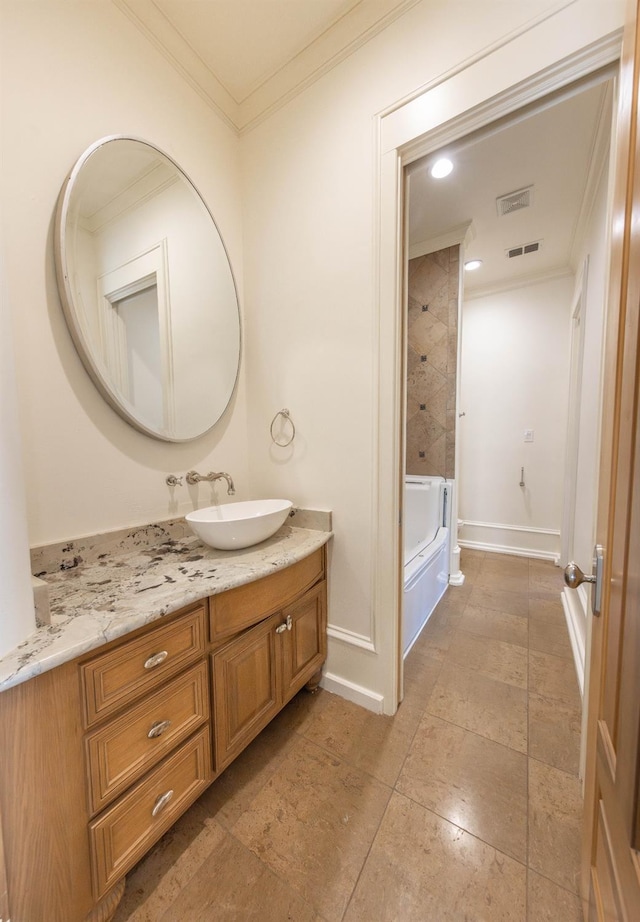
(304,646)
(246,691)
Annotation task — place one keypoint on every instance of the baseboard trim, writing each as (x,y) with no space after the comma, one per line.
(510,549)
(520,540)
(366,698)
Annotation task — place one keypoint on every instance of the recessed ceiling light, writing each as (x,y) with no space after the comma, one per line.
(472,264)
(441,168)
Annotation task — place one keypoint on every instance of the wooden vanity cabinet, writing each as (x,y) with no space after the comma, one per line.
(101,755)
(262,668)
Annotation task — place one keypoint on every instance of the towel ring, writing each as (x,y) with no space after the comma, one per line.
(287,417)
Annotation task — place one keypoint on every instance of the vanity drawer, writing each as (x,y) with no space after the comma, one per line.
(236,609)
(122,835)
(115,679)
(128,746)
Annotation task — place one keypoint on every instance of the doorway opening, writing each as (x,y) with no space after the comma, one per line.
(502,380)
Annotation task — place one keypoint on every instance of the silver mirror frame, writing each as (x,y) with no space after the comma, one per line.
(65,290)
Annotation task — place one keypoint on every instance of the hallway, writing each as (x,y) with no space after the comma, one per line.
(464,806)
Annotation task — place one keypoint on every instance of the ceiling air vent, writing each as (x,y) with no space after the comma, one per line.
(524,249)
(514,201)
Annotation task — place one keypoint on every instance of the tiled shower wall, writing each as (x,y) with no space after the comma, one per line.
(432,363)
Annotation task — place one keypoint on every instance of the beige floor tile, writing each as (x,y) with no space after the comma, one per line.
(375,743)
(420,676)
(447,613)
(492,709)
(424,869)
(555,817)
(549,638)
(546,902)
(496,580)
(553,677)
(435,638)
(498,625)
(547,609)
(497,599)
(475,783)
(232,793)
(160,878)
(456,596)
(509,565)
(545,577)
(552,595)
(235,885)
(554,732)
(469,555)
(495,659)
(313,824)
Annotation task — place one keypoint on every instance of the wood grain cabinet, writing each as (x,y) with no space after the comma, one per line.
(107,751)
(258,672)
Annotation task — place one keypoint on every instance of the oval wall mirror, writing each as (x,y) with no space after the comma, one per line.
(147,289)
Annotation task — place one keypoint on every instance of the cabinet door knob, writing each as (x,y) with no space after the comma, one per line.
(285,626)
(158,728)
(161,802)
(156,659)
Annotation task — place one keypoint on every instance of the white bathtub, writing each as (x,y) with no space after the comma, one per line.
(426,552)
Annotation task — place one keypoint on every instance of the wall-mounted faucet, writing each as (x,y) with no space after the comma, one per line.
(195,477)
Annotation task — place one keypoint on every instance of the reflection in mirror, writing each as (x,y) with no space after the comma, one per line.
(147,289)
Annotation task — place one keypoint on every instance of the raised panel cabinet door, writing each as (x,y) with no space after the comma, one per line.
(246,691)
(304,643)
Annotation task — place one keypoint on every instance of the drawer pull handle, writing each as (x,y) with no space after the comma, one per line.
(161,802)
(156,659)
(158,729)
(285,626)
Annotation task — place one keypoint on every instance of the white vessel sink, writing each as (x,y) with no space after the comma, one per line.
(237,525)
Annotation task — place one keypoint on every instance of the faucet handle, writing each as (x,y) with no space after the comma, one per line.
(173,481)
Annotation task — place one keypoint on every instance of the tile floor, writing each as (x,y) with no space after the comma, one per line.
(465,806)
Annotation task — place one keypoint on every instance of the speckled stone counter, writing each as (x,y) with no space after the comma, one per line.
(101,588)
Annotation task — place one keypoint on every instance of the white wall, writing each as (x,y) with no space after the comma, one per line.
(73,72)
(312,194)
(17,616)
(514,376)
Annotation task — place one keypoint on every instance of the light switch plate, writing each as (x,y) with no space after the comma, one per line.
(528,435)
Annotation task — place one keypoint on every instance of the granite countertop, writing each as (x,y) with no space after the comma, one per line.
(103,587)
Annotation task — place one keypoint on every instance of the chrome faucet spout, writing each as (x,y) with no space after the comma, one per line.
(194,477)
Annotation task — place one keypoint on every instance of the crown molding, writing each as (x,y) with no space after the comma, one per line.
(600,149)
(340,40)
(156,28)
(461,234)
(523,281)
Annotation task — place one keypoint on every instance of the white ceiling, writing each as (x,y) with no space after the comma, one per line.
(246,57)
(557,151)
